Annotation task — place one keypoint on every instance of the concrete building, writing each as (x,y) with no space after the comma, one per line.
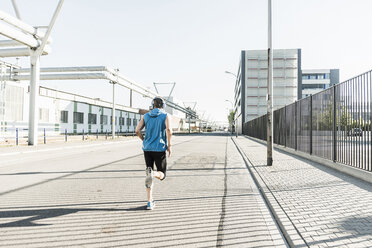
(61,112)
(251,84)
(314,81)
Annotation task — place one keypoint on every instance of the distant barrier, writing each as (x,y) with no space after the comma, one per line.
(20,137)
(334,124)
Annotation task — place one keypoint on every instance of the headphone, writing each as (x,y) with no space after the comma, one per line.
(162,103)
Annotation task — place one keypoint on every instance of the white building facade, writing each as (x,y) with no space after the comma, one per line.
(251,84)
(61,112)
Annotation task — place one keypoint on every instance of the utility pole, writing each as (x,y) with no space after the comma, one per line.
(131,98)
(269,91)
(113,111)
(33,118)
(113,105)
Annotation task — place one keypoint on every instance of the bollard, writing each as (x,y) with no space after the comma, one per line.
(44,137)
(97,134)
(106,134)
(65,135)
(83,134)
(17,136)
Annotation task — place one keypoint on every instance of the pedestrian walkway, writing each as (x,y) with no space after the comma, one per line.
(317,206)
(95,197)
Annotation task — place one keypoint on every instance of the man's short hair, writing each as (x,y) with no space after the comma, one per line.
(158,102)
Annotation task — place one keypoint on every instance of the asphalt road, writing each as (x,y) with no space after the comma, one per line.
(93,195)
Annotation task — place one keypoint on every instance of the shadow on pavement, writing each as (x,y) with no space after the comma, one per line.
(58,210)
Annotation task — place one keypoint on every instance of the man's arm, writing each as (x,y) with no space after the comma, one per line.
(169,134)
(139,127)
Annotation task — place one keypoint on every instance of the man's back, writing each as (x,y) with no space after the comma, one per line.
(155,137)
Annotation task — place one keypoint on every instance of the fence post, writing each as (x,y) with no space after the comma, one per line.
(17,136)
(65,135)
(44,137)
(311,124)
(334,125)
(296,125)
(285,126)
(83,134)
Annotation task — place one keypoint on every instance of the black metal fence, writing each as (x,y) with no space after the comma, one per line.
(334,124)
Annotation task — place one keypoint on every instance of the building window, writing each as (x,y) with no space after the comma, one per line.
(121,121)
(116,120)
(44,115)
(134,122)
(103,120)
(92,118)
(78,117)
(64,116)
(12,108)
(321,76)
(314,86)
(129,122)
(327,76)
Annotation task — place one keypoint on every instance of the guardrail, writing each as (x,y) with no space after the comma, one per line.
(46,136)
(334,124)
(50,136)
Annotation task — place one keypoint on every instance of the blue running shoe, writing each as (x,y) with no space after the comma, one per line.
(150,205)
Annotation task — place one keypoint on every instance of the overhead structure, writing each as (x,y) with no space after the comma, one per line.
(26,40)
(95,72)
(170,93)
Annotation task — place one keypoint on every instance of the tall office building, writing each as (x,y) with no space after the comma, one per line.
(251,84)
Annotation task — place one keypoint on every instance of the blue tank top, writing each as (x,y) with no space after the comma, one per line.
(155,134)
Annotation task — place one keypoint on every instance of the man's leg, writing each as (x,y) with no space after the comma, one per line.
(149,174)
(149,194)
(161,165)
(159,175)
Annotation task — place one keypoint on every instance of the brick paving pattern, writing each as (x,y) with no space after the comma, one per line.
(328,208)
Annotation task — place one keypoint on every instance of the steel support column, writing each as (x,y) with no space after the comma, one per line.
(113,110)
(33,119)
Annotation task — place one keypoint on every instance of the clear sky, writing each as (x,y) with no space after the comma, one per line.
(192,42)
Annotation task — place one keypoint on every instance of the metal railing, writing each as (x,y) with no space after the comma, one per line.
(46,135)
(334,124)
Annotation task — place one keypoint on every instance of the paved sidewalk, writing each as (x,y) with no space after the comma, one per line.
(318,206)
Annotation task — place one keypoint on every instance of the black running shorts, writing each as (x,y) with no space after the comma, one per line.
(160,160)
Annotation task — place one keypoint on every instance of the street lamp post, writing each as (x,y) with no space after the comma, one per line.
(228,72)
(269,91)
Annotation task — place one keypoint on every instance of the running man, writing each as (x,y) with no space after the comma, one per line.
(156,142)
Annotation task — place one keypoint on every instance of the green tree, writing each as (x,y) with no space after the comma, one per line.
(230,118)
